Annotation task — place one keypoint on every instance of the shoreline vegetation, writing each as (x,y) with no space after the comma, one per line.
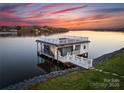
(50,29)
(107,73)
(102,30)
(32,30)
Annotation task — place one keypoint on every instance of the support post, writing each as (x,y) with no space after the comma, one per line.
(41,47)
(37,48)
(73,47)
(57,55)
(87,55)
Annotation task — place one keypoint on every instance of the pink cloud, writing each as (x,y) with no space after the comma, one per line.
(38,10)
(58,12)
(69,9)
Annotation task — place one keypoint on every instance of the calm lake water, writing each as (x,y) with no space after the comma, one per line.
(19,61)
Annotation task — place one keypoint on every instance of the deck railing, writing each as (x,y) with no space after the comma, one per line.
(63,58)
(74,52)
(70,39)
(80,61)
(54,41)
(80,38)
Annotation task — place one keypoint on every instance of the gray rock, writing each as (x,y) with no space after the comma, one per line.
(37,79)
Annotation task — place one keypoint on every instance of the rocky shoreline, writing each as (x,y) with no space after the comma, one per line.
(37,79)
(104,57)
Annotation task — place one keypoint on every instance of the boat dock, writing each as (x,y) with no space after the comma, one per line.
(67,49)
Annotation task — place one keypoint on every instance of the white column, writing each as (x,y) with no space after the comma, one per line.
(42,47)
(73,47)
(55,52)
(91,63)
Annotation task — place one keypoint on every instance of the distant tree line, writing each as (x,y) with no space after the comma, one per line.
(32,29)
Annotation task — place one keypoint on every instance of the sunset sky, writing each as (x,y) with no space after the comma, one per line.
(72,16)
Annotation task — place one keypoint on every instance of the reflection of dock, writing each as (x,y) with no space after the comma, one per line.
(46,65)
(69,49)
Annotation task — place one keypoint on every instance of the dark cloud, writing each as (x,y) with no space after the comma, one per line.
(6,7)
(10,7)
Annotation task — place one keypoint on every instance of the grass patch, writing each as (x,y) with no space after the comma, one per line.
(114,65)
(89,79)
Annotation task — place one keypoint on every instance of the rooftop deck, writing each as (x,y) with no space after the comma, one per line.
(63,40)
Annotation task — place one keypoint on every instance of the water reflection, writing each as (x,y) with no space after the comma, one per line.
(48,65)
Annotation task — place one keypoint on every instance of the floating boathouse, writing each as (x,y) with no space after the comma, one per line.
(66,49)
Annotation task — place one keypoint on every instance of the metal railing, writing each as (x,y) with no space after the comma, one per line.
(70,39)
(74,52)
(80,61)
(63,58)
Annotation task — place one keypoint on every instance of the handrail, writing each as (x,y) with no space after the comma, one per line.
(81,61)
(73,52)
(58,41)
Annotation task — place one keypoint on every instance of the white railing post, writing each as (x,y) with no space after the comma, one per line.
(91,62)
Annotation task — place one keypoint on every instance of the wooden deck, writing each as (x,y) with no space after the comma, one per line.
(79,61)
(76,60)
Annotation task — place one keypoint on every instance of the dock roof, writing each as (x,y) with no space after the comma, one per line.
(62,40)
